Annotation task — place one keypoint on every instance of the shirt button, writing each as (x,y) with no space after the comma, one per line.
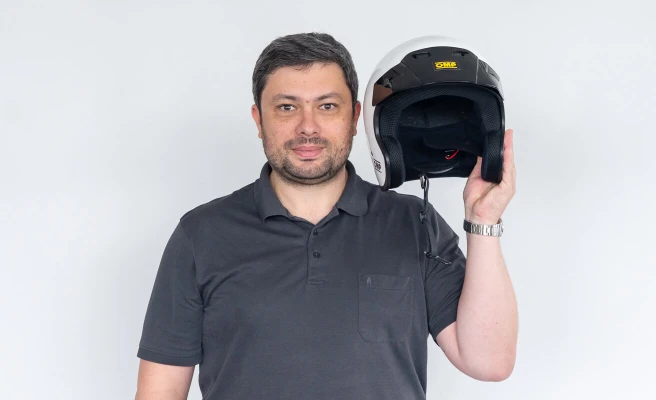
(315,232)
(316,254)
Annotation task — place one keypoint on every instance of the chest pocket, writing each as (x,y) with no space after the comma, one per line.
(385,307)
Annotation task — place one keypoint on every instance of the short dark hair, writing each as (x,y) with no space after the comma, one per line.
(302,50)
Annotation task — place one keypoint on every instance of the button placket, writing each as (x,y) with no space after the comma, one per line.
(316,273)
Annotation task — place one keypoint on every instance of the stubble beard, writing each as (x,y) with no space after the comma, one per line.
(326,170)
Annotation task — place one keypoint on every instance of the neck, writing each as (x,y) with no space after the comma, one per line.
(310,202)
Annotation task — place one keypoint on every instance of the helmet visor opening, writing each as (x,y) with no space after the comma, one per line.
(440,134)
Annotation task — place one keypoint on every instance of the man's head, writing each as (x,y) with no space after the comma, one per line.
(305,90)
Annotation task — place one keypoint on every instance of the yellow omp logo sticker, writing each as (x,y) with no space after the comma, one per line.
(446,65)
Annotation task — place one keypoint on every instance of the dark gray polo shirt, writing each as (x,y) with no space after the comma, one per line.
(274,307)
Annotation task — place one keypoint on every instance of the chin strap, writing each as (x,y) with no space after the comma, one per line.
(422,217)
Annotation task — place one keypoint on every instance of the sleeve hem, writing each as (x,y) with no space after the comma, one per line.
(447,318)
(181,361)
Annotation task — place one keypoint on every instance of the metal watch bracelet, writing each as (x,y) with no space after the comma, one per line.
(482,229)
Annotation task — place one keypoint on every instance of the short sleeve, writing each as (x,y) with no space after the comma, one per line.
(172,328)
(443,282)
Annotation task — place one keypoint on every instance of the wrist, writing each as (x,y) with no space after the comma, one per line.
(482,220)
(479,217)
(484,228)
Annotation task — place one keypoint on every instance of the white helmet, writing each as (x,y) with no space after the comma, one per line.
(432,105)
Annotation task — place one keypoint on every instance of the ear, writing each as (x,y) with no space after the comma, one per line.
(255,113)
(356,115)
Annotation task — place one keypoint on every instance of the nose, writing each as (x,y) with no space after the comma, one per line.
(308,124)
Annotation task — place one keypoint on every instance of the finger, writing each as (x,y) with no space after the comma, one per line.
(508,146)
(509,159)
(476,172)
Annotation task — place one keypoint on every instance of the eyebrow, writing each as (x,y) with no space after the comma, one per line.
(296,98)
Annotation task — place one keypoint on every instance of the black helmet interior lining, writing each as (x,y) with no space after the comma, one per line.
(439,130)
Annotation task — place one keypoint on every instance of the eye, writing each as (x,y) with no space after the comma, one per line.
(285,107)
(330,106)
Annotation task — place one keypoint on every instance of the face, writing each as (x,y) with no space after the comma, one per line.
(307,123)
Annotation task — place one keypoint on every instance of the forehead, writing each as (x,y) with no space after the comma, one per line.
(315,79)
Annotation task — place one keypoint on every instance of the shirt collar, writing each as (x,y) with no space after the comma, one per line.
(353,199)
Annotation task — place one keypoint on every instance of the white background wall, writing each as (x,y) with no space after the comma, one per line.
(117,117)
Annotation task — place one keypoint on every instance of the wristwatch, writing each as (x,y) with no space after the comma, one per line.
(485,230)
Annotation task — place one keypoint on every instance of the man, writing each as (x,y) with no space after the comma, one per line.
(311,283)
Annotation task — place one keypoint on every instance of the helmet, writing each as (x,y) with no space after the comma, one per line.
(431,107)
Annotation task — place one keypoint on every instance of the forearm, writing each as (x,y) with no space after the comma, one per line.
(163,382)
(487,311)
(160,395)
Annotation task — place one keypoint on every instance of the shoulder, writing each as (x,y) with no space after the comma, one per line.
(218,210)
(404,209)
(392,201)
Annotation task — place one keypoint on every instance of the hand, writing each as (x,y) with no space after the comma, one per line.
(485,201)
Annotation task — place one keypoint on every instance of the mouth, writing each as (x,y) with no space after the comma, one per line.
(307,151)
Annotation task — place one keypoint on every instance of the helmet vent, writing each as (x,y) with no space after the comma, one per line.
(421,54)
